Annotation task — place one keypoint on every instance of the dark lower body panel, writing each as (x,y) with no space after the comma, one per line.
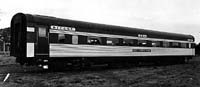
(101,60)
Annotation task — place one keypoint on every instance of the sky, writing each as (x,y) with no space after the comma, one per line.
(177,16)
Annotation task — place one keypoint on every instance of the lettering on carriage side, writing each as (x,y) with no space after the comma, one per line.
(141,50)
(142,35)
(62,28)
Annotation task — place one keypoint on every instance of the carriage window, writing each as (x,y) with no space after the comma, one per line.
(175,44)
(30,29)
(112,41)
(42,32)
(53,37)
(30,37)
(82,39)
(183,45)
(128,42)
(68,39)
(61,38)
(156,44)
(94,40)
(74,39)
(142,43)
(192,45)
(165,44)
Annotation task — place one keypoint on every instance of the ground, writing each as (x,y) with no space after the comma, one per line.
(179,75)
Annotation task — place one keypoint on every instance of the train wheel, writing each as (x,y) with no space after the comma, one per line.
(181,60)
(21,63)
(187,59)
(56,66)
(158,63)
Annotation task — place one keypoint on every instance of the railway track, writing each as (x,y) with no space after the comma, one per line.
(145,75)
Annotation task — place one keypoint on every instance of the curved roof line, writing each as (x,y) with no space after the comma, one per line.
(104,28)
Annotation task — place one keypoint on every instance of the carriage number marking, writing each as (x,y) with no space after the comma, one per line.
(141,50)
(63,28)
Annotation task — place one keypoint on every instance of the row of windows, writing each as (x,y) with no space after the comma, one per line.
(70,39)
(92,40)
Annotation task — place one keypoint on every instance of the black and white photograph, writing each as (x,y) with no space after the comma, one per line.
(100,43)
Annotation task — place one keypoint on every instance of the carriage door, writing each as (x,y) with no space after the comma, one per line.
(42,46)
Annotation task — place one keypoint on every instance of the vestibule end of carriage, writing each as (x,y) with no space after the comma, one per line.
(29,40)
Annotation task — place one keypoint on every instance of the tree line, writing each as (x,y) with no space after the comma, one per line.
(5,35)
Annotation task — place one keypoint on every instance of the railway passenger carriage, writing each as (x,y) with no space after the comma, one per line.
(44,41)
